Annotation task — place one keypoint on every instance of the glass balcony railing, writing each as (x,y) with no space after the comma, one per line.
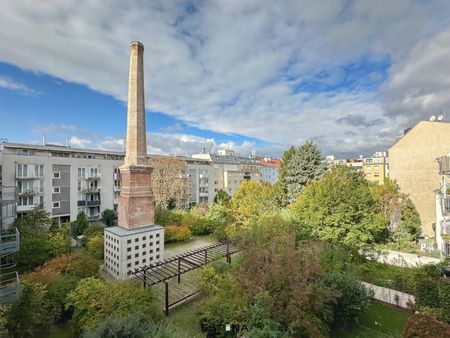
(9,287)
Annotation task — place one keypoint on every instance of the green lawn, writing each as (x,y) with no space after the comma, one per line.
(379,321)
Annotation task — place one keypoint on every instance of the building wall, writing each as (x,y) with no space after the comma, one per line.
(412,163)
(374,169)
(68,195)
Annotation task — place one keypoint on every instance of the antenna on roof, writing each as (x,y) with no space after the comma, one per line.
(433,118)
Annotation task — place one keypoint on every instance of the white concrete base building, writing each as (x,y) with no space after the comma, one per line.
(127,249)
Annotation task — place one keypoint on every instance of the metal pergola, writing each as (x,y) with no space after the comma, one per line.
(177,265)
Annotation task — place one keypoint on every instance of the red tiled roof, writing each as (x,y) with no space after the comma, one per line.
(273,163)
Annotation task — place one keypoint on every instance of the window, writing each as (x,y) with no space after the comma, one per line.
(157,256)
(157,235)
(144,238)
(144,260)
(56,190)
(136,239)
(136,247)
(129,241)
(55,205)
(128,249)
(157,249)
(57,175)
(144,245)
(144,253)
(129,257)
(136,263)
(136,255)
(157,242)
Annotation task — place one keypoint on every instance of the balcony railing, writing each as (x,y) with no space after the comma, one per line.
(116,188)
(9,241)
(9,287)
(92,176)
(91,190)
(81,203)
(94,217)
(28,192)
(22,208)
(92,203)
(27,177)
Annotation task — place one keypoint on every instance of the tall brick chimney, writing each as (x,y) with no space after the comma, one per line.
(136,203)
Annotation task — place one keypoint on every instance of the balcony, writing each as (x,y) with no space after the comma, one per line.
(116,176)
(9,287)
(25,208)
(92,176)
(92,204)
(81,203)
(116,189)
(446,204)
(28,177)
(91,190)
(9,241)
(116,201)
(27,192)
(94,217)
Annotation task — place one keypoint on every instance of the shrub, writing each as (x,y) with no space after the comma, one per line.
(197,224)
(352,299)
(165,217)
(176,233)
(422,326)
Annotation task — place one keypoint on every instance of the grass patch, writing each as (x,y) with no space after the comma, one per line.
(379,321)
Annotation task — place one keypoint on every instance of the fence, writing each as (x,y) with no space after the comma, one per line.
(398,258)
(390,296)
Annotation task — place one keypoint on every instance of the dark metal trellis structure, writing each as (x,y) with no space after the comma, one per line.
(177,265)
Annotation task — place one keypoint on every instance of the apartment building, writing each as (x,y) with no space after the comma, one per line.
(229,171)
(200,174)
(376,168)
(64,180)
(270,169)
(442,227)
(412,163)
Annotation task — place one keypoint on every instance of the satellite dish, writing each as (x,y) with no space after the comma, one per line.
(433,118)
(440,117)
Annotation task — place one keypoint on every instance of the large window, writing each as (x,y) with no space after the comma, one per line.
(22,170)
(39,170)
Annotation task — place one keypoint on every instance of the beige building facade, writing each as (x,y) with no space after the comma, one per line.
(412,163)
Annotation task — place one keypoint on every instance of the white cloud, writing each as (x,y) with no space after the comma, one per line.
(11,84)
(234,66)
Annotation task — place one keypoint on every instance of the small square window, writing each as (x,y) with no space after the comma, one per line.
(129,265)
(128,249)
(55,205)
(151,236)
(157,235)
(144,238)
(157,249)
(129,241)
(56,190)
(136,263)
(151,251)
(144,261)
(129,257)
(144,245)
(151,243)
(151,258)
(136,255)
(144,253)
(157,256)
(57,175)
(129,273)
(157,242)
(136,247)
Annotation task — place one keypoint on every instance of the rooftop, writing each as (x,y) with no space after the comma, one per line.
(119,231)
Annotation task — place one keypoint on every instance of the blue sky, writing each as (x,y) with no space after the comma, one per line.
(257,74)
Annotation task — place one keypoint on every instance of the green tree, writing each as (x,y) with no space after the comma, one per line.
(252,200)
(59,240)
(306,164)
(221,197)
(340,208)
(35,248)
(94,300)
(109,217)
(81,223)
(95,246)
(281,183)
(29,316)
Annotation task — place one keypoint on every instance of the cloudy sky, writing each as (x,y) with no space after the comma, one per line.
(350,75)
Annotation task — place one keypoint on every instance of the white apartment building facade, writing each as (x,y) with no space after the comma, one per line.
(64,180)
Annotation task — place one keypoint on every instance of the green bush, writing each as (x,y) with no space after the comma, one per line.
(165,217)
(197,224)
(352,299)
